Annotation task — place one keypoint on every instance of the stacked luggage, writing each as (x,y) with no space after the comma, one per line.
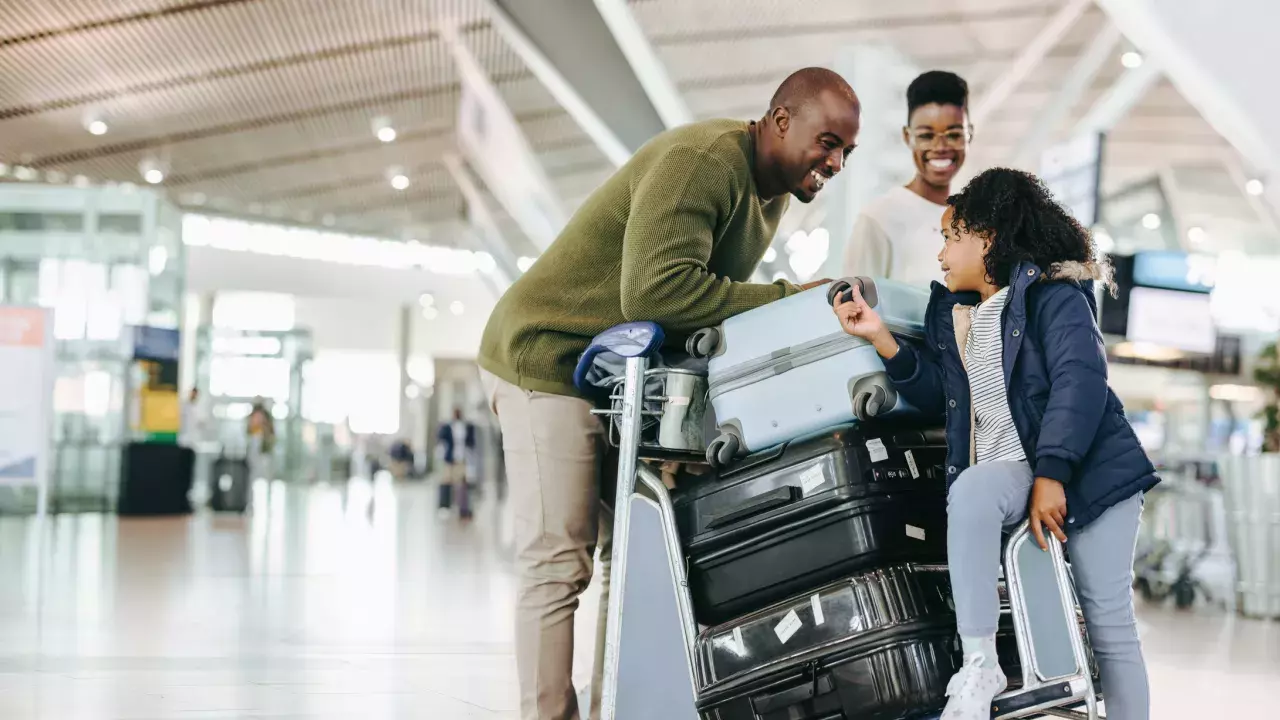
(815,556)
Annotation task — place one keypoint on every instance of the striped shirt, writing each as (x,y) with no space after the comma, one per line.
(995,435)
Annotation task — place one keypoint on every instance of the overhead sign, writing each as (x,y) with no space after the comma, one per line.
(493,144)
(26,404)
(1173,270)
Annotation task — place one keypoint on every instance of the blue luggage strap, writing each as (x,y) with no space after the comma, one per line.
(633,339)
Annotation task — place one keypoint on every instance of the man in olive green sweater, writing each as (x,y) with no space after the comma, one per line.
(672,237)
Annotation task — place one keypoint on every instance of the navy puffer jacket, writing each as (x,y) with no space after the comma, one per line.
(1071,424)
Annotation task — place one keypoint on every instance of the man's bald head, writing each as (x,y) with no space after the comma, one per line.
(810,129)
(804,86)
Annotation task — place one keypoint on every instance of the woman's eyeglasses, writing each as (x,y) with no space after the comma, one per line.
(954,139)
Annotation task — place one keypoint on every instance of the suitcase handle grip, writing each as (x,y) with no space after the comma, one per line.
(776,498)
(783,699)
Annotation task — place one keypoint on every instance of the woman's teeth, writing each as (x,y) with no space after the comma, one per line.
(818,178)
(942,163)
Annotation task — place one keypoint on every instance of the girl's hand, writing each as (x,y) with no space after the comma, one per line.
(1048,509)
(858,319)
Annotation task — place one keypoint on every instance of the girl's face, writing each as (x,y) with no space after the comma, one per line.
(962,256)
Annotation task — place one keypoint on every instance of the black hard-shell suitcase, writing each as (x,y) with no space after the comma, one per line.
(810,511)
(881,644)
(230,487)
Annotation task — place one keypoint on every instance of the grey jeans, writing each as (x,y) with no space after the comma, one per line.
(991,496)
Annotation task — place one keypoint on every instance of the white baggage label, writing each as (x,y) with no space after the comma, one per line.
(818,618)
(911,465)
(738,643)
(812,479)
(788,627)
(915,532)
(877,450)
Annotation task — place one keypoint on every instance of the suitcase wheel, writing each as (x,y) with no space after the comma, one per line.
(836,288)
(869,403)
(723,450)
(703,343)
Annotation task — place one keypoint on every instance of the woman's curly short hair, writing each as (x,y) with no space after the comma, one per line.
(1019,215)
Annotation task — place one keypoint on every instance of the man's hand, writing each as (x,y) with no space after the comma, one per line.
(815,283)
(858,319)
(1048,509)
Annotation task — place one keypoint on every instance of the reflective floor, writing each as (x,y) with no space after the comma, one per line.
(359,601)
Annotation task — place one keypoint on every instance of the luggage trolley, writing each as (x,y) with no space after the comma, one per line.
(651,667)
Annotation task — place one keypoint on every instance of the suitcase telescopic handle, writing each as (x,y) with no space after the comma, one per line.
(772,500)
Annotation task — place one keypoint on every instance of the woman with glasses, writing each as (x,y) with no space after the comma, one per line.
(896,235)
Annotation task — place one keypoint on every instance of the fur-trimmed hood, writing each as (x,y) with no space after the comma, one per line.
(1081,272)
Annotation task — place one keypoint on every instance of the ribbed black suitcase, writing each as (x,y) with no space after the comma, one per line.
(808,512)
(879,645)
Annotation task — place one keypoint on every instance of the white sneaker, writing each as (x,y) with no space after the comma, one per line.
(972,690)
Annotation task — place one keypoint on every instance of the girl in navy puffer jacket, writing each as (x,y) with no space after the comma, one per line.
(1014,358)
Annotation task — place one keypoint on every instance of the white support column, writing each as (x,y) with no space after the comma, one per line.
(1028,60)
(880,76)
(404,350)
(1055,112)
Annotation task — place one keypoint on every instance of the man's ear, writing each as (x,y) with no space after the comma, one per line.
(906,136)
(781,120)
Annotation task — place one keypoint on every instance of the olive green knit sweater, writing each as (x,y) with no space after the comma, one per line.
(671,237)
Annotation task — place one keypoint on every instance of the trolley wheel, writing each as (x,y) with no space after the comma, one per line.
(703,343)
(1184,594)
(723,450)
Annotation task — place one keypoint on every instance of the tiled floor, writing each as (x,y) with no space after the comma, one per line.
(359,602)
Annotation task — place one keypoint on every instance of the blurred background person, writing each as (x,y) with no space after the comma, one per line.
(455,440)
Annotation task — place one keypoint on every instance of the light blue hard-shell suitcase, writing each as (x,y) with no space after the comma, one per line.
(787,369)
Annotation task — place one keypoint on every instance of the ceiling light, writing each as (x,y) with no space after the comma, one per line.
(4,169)
(80,181)
(383,130)
(426,300)
(1151,221)
(1131,60)
(400,182)
(1103,242)
(413,392)
(151,171)
(1197,235)
(770,255)
(430,313)
(456,307)
(22,172)
(524,264)
(97,127)
(1254,187)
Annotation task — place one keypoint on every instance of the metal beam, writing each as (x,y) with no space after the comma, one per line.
(1076,84)
(485,225)
(619,109)
(1028,60)
(1126,92)
(644,61)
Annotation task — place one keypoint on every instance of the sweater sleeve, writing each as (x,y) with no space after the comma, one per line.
(670,234)
(868,252)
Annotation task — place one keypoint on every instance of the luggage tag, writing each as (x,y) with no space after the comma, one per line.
(877,450)
(812,479)
(911,465)
(788,627)
(819,618)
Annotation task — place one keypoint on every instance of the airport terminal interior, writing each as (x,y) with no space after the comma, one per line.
(250,466)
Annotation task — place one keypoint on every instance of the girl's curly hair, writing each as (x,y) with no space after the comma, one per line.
(1018,214)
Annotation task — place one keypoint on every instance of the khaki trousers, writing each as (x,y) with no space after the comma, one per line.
(554,449)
